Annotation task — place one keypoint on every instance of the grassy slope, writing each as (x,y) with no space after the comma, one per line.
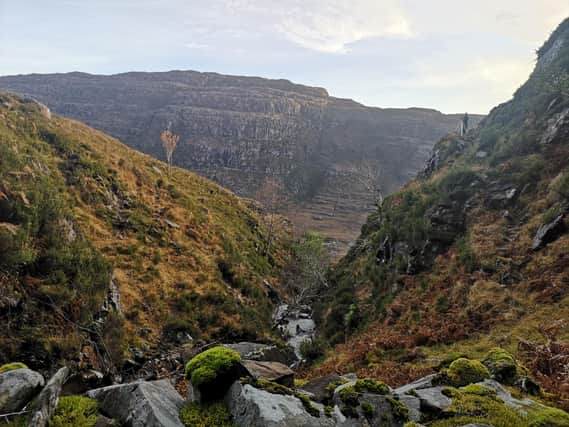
(486,287)
(57,175)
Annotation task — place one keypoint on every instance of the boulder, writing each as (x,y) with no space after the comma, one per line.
(149,404)
(413,404)
(548,233)
(433,400)
(425,382)
(500,196)
(272,371)
(253,407)
(317,387)
(264,352)
(17,388)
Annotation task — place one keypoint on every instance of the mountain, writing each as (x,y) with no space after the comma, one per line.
(102,254)
(240,130)
(472,254)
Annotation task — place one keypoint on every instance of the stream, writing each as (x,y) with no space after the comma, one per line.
(296,325)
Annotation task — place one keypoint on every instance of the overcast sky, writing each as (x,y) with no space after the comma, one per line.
(451,55)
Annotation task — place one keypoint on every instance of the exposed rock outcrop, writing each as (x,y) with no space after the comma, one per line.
(149,404)
(238,130)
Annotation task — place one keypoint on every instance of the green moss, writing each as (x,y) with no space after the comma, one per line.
(328,410)
(465,371)
(411,424)
(549,417)
(503,366)
(329,392)
(349,411)
(399,410)
(371,386)
(475,408)
(368,410)
(308,405)
(479,390)
(214,414)
(208,366)
(12,366)
(73,411)
(350,396)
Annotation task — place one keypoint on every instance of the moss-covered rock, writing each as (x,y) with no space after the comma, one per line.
(464,371)
(213,371)
(74,411)
(503,366)
(213,414)
(12,366)
(398,409)
(371,386)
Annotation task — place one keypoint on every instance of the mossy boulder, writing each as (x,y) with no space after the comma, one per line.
(212,372)
(503,366)
(12,366)
(371,386)
(464,371)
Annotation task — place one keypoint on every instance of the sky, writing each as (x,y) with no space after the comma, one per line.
(454,56)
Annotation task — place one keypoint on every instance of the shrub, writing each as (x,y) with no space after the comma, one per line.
(213,371)
(464,371)
(73,411)
(12,366)
(213,414)
(313,349)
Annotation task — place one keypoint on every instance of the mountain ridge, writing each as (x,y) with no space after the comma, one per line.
(241,131)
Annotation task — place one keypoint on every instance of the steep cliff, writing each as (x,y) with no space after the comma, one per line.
(239,130)
(473,253)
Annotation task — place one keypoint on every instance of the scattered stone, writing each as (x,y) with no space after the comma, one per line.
(425,382)
(17,388)
(148,404)
(272,371)
(171,224)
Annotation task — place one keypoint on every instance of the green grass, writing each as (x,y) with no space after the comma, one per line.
(74,411)
(214,414)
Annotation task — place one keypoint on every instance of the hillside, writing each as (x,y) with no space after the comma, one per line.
(238,131)
(103,257)
(471,254)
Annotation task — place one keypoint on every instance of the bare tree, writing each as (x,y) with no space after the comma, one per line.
(270,195)
(370,176)
(305,275)
(169,142)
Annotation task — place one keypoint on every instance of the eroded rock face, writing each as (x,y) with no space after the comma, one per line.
(272,371)
(238,130)
(17,388)
(547,233)
(150,404)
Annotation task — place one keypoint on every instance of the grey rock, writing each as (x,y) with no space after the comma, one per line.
(103,421)
(413,405)
(433,400)
(506,396)
(252,407)
(264,352)
(557,129)
(317,387)
(17,388)
(548,233)
(425,382)
(272,371)
(150,404)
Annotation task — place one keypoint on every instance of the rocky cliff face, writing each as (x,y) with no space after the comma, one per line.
(239,130)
